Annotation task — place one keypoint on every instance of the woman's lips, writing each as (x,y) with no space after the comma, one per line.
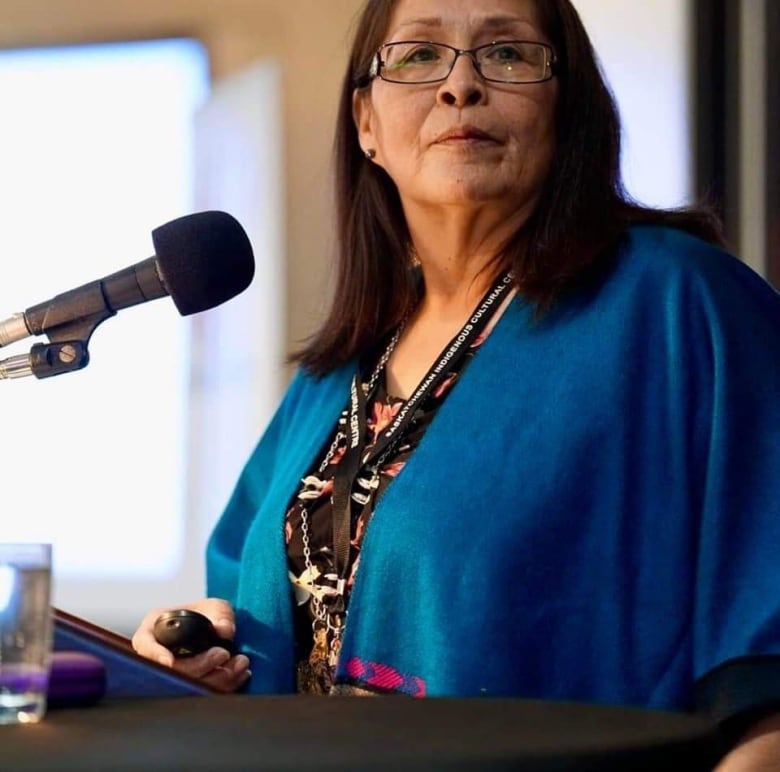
(467,135)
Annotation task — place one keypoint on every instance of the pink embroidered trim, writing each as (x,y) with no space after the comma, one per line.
(384,677)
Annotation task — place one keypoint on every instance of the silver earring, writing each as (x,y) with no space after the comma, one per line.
(370,153)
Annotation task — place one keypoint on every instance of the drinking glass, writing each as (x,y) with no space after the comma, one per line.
(25,631)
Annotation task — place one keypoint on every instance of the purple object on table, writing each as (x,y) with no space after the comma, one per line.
(76,679)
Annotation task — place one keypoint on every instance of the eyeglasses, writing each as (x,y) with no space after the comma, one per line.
(421,61)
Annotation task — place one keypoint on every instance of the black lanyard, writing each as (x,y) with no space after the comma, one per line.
(355,457)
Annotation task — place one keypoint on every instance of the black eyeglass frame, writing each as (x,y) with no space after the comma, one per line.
(378,64)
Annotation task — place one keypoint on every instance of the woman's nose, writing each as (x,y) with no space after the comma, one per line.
(464,86)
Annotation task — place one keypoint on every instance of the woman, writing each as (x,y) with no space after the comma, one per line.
(556,472)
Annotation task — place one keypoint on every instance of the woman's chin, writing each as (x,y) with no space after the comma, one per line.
(464,193)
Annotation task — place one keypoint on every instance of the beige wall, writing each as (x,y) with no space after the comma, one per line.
(310,37)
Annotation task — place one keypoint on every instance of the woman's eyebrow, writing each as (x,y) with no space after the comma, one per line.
(504,21)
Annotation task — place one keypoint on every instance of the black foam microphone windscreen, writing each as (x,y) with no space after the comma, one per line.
(204,259)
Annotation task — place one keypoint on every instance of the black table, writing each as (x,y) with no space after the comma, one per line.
(240,732)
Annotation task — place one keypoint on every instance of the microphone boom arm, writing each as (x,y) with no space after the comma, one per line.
(68,337)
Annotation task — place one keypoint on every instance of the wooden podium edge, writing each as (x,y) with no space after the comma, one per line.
(117,652)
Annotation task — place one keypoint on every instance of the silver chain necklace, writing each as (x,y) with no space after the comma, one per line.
(324,619)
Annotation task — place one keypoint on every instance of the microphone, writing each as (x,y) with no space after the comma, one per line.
(201,260)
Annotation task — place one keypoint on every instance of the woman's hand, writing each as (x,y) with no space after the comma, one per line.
(757,751)
(215,667)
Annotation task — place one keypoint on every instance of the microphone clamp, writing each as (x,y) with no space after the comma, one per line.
(47,359)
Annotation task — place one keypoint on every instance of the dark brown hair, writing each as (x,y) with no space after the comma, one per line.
(582,212)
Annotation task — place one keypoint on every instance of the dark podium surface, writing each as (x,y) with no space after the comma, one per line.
(240,732)
(152,718)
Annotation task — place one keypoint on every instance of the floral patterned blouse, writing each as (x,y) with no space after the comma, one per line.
(315,495)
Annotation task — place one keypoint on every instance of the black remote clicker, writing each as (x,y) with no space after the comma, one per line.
(186,633)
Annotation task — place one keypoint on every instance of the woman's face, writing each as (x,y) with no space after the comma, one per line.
(465,140)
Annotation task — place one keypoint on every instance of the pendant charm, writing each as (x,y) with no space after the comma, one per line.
(314,675)
(333,654)
(320,648)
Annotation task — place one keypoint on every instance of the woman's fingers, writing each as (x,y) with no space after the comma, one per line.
(230,676)
(216,668)
(221,614)
(145,644)
(202,664)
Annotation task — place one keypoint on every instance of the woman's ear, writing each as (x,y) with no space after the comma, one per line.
(363,116)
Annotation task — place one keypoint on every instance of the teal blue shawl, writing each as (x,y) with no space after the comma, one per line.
(594,513)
